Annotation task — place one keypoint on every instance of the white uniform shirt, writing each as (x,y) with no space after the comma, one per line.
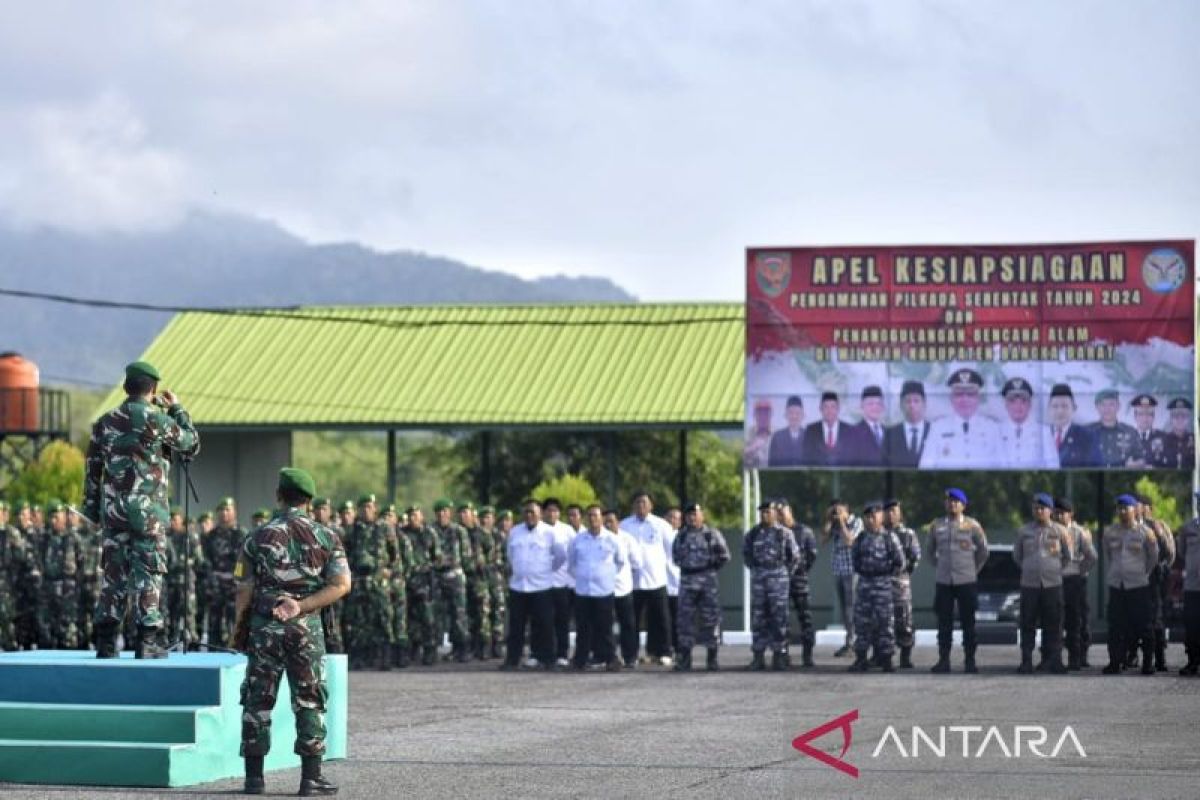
(563,534)
(652,534)
(594,562)
(948,445)
(672,569)
(534,556)
(631,551)
(1029,445)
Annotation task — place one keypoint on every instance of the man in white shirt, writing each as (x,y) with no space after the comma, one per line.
(965,438)
(534,555)
(564,584)
(674,518)
(631,551)
(594,558)
(650,580)
(1026,443)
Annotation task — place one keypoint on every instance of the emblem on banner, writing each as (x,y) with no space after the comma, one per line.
(1164,270)
(774,271)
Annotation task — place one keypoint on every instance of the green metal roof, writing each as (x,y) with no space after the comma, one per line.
(594,366)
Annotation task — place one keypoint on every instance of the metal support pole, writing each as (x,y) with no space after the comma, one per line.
(485,467)
(391,466)
(610,454)
(683,487)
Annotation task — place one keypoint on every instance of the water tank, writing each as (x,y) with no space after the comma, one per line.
(18,394)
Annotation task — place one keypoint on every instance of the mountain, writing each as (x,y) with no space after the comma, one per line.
(213,259)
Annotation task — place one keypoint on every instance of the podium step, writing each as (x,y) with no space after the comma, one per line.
(88,762)
(67,722)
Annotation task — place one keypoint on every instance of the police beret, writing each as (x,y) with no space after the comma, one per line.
(1107,394)
(1143,401)
(871,506)
(825,396)
(54,506)
(956,494)
(226,502)
(1179,402)
(1061,390)
(891,502)
(320,502)
(486,510)
(1063,504)
(466,505)
(912,387)
(142,369)
(442,503)
(765,505)
(1016,386)
(363,499)
(690,507)
(965,379)
(871,391)
(1043,499)
(296,480)
(795,400)
(1126,500)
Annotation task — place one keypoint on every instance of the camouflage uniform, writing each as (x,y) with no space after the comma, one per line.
(87,576)
(15,563)
(450,588)
(29,588)
(126,487)
(59,607)
(769,553)
(220,551)
(183,548)
(497,585)
(479,598)
(400,558)
(877,558)
(427,554)
(699,553)
(371,603)
(798,588)
(902,585)
(290,556)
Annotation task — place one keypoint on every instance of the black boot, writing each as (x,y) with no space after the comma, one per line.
(480,651)
(1191,668)
(255,783)
(148,645)
(778,661)
(1113,668)
(383,658)
(1160,658)
(429,655)
(400,653)
(1147,661)
(885,663)
(1073,664)
(683,661)
(312,783)
(906,658)
(860,664)
(758,663)
(461,654)
(1026,667)
(1083,659)
(1056,666)
(943,662)
(496,652)
(711,664)
(106,640)
(969,662)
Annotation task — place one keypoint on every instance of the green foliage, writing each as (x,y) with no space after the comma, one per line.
(1166,506)
(57,474)
(567,489)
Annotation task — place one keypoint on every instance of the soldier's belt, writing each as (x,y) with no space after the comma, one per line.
(696,570)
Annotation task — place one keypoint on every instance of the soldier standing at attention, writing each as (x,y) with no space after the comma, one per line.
(15,562)
(479,616)
(221,548)
(125,485)
(289,569)
(400,561)
(1119,443)
(184,547)
(1042,551)
(1189,553)
(28,581)
(87,574)
(495,575)
(451,584)
(1076,612)
(700,551)
(323,515)
(374,546)
(910,545)
(806,541)
(206,526)
(769,551)
(1158,579)
(1131,551)
(877,557)
(958,548)
(427,555)
(59,607)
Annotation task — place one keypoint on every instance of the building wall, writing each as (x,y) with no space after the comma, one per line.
(242,465)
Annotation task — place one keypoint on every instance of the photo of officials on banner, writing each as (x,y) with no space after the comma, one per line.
(1064,356)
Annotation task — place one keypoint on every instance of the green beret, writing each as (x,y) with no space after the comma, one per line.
(346,506)
(504,513)
(414,508)
(296,480)
(226,502)
(366,498)
(389,508)
(1106,394)
(35,507)
(142,369)
(466,505)
(205,517)
(320,502)
(486,510)
(176,510)
(20,505)
(442,503)
(54,506)
(262,513)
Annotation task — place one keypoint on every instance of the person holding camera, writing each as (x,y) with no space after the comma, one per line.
(841,529)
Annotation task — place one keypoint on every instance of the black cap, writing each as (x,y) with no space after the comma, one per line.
(965,378)
(795,400)
(690,507)
(1063,504)
(1016,386)
(766,505)
(872,506)
(912,387)
(1143,401)
(1179,402)
(871,391)
(891,502)
(1061,390)
(829,396)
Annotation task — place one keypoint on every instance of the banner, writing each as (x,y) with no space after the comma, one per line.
(1062,356)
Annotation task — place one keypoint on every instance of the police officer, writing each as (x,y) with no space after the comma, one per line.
(289,569)
(965,438)
(1189,553)
(910,545)
(1042,550)
(769,551)
(958,548)
(877,557)
(700,551)
(1119,443)
(1179,442)
(806,541)
(1131,552)
(1076,611)
(1159,579)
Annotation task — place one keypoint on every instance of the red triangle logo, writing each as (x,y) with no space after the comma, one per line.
(843,722)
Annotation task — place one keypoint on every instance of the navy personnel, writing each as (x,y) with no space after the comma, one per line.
(877,557)
(1027,443)
(1179,442)
(1076,612)
(798,592)
(700,551)
(1042,551)
(965,438)
(893,520)
(1131,551)
(1119,443)
(769,551)
(958,548)
(1189,553)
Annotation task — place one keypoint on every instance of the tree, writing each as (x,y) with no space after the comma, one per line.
(56,474)
(567,489)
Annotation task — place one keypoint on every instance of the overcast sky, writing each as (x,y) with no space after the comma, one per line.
(649,142)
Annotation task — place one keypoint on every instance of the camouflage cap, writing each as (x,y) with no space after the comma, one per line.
(388,508)
(142,369)
(204,517)
(226,502)
(442,503)
(504,513)
(297,480)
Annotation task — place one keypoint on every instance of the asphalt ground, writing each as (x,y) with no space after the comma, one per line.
(470,731)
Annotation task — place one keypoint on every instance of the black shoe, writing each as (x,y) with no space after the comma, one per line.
(106,641)
(312,782)
(711,663)
(148,645)
(461,655)
(885,663)
(428,656)
(400,656)
(969,664)
(1026,667)
(1160,661)
(254,775)
(778,661)
(1113,668)
(806,659)
(480,652)
(383,656)
(758,663)
(1190,668)
(1056,667)
(505,666)
(1072,662)
(1147,667)
(683,661)
(844,650)
(906,658)
(943,664)
(496,653)
(860,664)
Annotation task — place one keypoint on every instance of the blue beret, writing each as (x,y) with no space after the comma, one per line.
(1043,499)
(1126,500)
(957,494)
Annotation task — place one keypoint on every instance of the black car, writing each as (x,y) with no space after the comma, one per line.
(999,587)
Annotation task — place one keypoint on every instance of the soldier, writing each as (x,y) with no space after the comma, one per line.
(1131,551)
(496,575)
(15,562)
(360,639)
(1042,551)
(1076,613)
(700,551)
(1119,443)
(322,513)
(806,542)
(29,581)
(259,518)
(1153,442)
(1159,579)
(1179,443)
(958,548)
(910,545)
(220,552)
(125,486)
(87,573)
(965,438)
(344,529)
(288,569)
(401,562)
(58,609)
(1189,554)
(479,612)
(184,546)
(426,556)
(375,554)
(877,558)
(769,551)
(451,587)
(205,525)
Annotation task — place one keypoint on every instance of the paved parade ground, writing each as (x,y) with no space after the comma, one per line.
(471,731)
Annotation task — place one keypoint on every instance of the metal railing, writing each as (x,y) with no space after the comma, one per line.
(35,412)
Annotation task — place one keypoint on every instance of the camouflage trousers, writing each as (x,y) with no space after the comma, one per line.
(131,564)
(902,610)
(699,604)
(373,613)
(479,608)
(398,597)
(297,647)
(89,595)
(332,625)
(25,619)
(768,609)
(874,619)
(422,619)
(181,610)
(57,613)
(222,609)
(452,606)
(8,613)
(497,601)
